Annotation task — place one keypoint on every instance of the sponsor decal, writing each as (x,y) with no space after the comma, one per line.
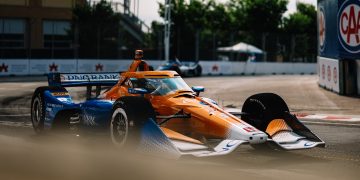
(215,68)
(99,67)
(89,119)
(89,77)
(309,144)
(249,129)
(53,67)
(322,28)
(60,93)
(4,67)
(229,145)
(63,99)
(349,26)
(259,102)
(54,105)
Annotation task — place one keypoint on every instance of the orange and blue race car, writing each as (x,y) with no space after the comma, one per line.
(159,112)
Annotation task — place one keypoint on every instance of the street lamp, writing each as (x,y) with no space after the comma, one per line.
(167,28)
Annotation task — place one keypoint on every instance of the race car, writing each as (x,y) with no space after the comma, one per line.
(159,112)
(185,68)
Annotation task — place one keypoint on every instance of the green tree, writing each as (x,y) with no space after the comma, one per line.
(96,28)
(301,27)
(218,22)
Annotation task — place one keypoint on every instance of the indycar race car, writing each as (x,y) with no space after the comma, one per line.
(184,68)
(159,112)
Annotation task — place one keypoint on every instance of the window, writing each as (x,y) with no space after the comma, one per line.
(56,34)
(12,33)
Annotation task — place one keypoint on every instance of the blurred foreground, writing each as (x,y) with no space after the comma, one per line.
(24,155)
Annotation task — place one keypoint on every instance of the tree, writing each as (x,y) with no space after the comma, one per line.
(264,15)
(301,26)
(97,29)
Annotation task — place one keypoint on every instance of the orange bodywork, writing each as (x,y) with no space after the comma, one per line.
(207,120)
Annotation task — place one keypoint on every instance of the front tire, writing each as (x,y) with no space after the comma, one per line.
(128,117)
(259,109)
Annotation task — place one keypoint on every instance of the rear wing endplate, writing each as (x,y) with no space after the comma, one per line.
(83,79)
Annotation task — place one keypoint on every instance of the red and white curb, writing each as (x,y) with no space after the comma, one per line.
(329,117)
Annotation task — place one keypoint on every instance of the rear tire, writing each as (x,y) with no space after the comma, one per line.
(38,107)
(129,115)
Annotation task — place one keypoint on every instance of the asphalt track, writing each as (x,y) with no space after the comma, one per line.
(24,155)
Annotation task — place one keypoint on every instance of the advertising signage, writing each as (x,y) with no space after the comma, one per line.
(339,29)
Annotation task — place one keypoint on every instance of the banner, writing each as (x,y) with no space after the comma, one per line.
(14,67)
(44,66)
(328,71)
(51,65)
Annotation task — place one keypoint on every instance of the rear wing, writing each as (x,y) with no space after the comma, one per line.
(83,79)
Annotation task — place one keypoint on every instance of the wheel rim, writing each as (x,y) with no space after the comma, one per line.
(36,116)
(119,127)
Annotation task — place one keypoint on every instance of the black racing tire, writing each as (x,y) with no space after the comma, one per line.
(129,114)
(176,69)
(151,68)
(259,109)
(38,107)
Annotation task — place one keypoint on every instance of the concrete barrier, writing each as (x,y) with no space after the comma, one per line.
(252,68)
(43,66)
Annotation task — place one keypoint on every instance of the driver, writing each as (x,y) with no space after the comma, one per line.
(138,64)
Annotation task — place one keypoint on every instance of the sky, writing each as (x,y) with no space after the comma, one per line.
(148,9)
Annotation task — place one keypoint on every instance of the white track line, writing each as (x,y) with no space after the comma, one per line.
(14,115)
(331,123)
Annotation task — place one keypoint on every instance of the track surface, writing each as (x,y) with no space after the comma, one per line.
(23,155)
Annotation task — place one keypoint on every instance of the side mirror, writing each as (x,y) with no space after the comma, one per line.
(198,89)
(141,91)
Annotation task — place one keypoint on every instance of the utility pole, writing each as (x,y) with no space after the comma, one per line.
(167,28)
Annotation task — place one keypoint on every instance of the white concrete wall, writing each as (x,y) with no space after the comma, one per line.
(43,66)
(248,68)
(358,75)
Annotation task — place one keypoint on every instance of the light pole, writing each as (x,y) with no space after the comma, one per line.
(167,28)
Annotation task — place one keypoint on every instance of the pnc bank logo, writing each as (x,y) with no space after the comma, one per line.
(349,25)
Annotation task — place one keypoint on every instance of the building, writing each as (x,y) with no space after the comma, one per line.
(38,29)
(34,28)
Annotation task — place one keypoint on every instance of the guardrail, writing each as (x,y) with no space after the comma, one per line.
(43,66)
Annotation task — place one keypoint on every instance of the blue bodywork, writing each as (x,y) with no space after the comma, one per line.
(94,113)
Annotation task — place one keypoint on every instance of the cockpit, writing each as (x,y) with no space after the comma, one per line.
(161,86)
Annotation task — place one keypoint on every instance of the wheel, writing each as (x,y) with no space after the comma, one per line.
(38,107)
(129,115)
(151,68)
(177,69)
(259,109)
